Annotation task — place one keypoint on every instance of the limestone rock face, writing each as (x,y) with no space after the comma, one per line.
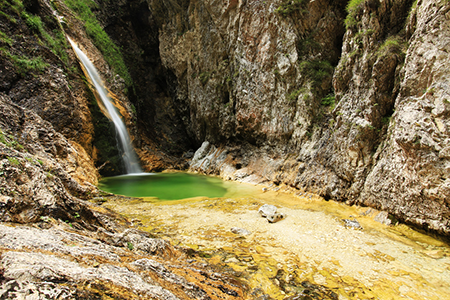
(414,160)
(287,94)
(239,66)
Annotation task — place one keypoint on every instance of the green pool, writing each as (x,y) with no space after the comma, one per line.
(166,186)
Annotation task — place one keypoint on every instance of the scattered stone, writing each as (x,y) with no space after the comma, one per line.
(352,224)
(264,189)
(240,231)
(383,218)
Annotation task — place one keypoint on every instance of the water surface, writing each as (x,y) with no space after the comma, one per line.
(171,186)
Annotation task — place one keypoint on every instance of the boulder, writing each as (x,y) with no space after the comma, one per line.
(270,212)
(267,210)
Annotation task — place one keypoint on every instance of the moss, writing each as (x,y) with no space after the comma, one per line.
(204,77)
(56,42)
(13,161)
(329,100)
(110,51)
(25,64)
(4,39)
(307,45)
(294,95)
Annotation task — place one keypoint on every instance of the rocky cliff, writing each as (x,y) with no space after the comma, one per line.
(347,99)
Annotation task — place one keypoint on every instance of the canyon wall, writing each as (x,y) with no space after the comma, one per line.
(348,101)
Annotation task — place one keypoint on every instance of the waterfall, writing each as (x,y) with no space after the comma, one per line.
(124,142)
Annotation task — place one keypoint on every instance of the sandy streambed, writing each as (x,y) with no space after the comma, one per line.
(309,253)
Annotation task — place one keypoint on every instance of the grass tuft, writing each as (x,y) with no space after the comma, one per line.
(353,8)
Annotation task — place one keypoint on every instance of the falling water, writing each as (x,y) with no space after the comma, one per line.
(129,156)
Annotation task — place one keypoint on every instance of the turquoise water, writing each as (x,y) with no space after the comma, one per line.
(165,186)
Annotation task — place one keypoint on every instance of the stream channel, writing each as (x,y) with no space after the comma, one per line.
(310,254)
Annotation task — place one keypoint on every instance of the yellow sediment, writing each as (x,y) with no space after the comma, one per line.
(311,244)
